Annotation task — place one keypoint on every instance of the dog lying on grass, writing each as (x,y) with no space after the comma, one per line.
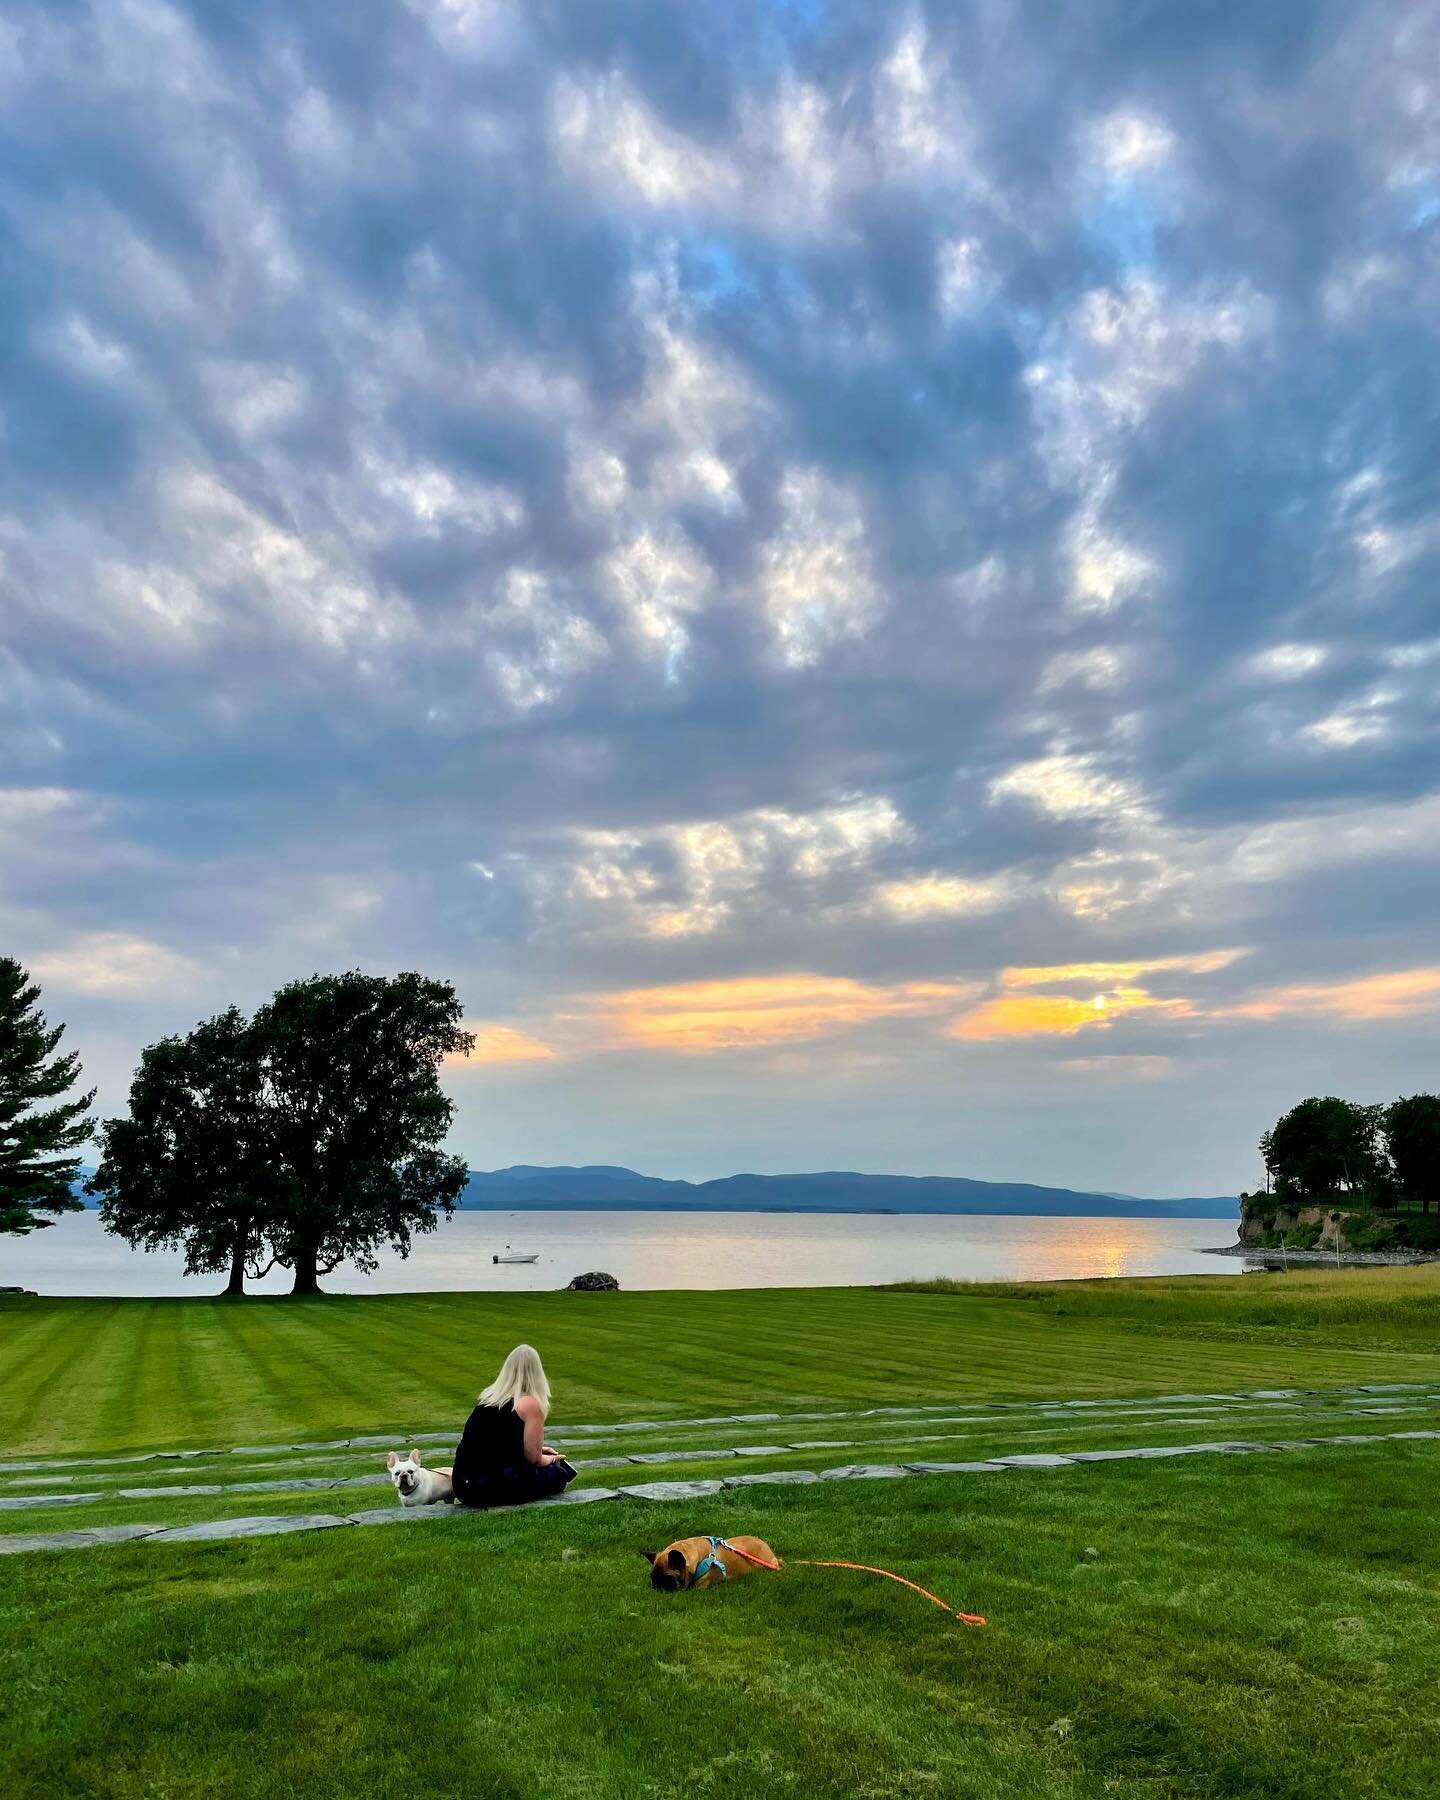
(699,1562)
(416,1485)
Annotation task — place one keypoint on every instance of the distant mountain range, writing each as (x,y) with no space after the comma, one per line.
(599,1186)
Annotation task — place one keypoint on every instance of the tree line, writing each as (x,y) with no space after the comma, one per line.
(306,1135)
(1382,1156)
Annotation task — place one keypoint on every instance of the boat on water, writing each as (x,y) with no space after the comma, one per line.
(515,1256)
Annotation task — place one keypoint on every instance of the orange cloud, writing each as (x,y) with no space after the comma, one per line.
(756,1011)
(502,1044)
(1108,991)
(1059,1015)
(1397,995)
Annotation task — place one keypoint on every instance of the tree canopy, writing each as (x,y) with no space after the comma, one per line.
(309,1135)
(1327,1147)
(1411,1129)
(40,1130)
(192,1163)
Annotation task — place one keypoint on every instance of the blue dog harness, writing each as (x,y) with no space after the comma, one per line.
(711,1561)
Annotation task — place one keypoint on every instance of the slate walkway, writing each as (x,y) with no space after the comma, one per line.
(974,1411)
(277,1525)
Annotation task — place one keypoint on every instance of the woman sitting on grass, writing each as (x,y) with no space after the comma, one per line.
(502,1459)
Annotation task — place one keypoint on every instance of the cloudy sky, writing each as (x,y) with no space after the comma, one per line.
(862,578)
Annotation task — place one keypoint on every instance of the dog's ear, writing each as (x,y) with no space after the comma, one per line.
(391,1460)
(650,1556)
(415,1457)
(676,1560)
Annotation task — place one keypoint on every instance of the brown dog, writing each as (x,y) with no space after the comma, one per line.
(699,1562)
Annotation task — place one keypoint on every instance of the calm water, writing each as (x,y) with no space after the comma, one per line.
(670,1250)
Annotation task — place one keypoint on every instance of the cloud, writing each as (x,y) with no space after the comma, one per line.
(1118,1068)
(1061,1015)
(1106,973)
(1108,991)
(756,1012)
(1396,994)
(1066,787)
(830,490)
(941,896)
(501,1044)
(114,964)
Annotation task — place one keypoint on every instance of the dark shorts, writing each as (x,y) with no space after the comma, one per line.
(513,1487)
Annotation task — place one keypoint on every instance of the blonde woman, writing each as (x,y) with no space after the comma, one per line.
(502,1458)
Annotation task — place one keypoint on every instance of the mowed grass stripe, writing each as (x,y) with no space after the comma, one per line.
(114,1375)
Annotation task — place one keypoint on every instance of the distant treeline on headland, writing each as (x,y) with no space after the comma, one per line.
(1380,1156)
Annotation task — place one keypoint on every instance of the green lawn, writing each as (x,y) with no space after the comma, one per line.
(130,1374)
(1213,1626)
(1258,1626)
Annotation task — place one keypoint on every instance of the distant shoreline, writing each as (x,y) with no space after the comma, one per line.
(1355,1259)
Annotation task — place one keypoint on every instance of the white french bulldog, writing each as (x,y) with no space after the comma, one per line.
(416,1485)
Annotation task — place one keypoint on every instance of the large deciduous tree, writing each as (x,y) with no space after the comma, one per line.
(40,1130)
(358,1115)
(309,1135)
(1323,1147)
(192,1163)
(1411,1129)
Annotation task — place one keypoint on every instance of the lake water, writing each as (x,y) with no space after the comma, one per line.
(669,1250)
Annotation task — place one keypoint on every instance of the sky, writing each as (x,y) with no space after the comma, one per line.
(861,578)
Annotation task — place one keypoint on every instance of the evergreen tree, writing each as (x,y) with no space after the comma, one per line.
(39,1129)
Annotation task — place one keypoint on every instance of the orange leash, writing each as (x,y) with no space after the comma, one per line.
(865,1569)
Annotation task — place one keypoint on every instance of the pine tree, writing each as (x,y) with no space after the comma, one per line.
(38,1128)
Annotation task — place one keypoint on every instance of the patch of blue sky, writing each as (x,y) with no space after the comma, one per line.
(789,22)
(711,269)
(1123,226)
(1426,210)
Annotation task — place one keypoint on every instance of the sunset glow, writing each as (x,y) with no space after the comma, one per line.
(756,1012)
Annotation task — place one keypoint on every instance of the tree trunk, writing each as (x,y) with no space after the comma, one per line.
(307,1269)
(236,1283)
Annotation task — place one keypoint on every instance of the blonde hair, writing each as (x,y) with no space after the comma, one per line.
(522,1372)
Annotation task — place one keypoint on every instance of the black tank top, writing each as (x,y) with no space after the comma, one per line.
(493,1441)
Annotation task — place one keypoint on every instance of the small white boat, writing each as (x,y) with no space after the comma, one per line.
(515,1256)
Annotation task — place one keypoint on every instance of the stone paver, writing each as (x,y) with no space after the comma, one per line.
(772,1478)
(24,1502)
(12,1544)
(578,1497)
(213,1530)
(953,1468)
(669,1490)
(403,1515)
(863,1472)
(667,1456)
